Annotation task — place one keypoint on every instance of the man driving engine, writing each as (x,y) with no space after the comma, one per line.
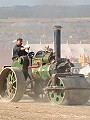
(19,50)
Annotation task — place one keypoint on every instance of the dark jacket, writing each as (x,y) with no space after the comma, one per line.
(17,52)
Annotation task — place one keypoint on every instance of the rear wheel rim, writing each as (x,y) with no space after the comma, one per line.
(10,85)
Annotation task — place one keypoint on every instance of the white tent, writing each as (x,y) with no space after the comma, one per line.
(85,70)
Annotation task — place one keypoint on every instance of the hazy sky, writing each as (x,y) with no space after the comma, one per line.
(40,2)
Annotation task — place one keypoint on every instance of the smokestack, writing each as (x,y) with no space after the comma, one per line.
(57,43)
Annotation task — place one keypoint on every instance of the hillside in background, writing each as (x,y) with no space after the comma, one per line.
(45,11)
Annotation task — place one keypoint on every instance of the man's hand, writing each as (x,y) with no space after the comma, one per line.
(27,48)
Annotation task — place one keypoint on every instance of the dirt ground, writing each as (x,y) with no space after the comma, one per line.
(27,109)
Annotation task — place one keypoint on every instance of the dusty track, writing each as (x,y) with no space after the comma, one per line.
(29,110)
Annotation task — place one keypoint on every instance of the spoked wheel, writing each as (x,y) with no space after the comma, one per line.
(38,93)
(42,97)
(12,84)
(39,98)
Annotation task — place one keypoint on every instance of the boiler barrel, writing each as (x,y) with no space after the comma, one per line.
(41,73)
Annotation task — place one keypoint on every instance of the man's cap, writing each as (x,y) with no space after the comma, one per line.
(19,39)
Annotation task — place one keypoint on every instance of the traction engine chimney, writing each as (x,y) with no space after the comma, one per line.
(57,43)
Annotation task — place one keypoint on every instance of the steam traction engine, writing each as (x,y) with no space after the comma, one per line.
(44,75)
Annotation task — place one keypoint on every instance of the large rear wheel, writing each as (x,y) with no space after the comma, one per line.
(12,84)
